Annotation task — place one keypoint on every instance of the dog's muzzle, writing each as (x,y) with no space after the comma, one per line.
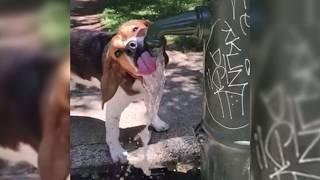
(145,62)
(135,48)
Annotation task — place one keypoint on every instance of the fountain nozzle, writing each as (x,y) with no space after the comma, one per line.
(189,23)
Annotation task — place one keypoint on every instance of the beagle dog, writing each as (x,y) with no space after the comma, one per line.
(119,61)
(34,110)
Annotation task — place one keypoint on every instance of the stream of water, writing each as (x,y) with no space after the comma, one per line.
(154,85)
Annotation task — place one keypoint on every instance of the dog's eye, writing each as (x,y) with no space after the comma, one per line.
(135,29)
(118,53)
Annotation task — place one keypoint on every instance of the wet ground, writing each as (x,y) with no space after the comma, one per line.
(137,174)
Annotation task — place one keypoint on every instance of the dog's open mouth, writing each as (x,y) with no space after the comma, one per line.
(146,63)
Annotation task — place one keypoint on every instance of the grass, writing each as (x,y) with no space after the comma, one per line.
(119,11)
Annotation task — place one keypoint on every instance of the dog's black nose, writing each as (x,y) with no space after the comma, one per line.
(133,44)
(131,47)
(135,48)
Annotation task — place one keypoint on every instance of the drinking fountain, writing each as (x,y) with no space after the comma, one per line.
(224,133)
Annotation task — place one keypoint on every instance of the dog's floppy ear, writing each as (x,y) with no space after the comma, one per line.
(110,80)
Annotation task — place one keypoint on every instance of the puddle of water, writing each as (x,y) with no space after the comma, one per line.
(154,85)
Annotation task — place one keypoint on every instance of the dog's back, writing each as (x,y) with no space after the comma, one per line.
(86,51)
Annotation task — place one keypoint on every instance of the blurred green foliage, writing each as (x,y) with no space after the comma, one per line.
(119,11)
(54,24)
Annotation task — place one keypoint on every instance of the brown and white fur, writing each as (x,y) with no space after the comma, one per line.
(34,110)
(117,70)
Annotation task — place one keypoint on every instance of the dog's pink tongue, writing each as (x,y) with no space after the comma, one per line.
(146,63)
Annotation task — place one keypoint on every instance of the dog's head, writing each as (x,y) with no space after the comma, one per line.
(127,48)
(126,54)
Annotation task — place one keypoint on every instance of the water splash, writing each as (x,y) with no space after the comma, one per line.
(154,85)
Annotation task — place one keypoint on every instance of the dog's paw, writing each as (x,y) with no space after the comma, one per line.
(118,154)
(159,125)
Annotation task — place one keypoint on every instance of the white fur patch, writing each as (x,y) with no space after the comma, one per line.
(24,153)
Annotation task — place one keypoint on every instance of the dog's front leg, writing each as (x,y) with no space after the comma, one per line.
(157,124)
(114,108)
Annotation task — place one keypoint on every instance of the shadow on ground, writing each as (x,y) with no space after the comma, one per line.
(94,131)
